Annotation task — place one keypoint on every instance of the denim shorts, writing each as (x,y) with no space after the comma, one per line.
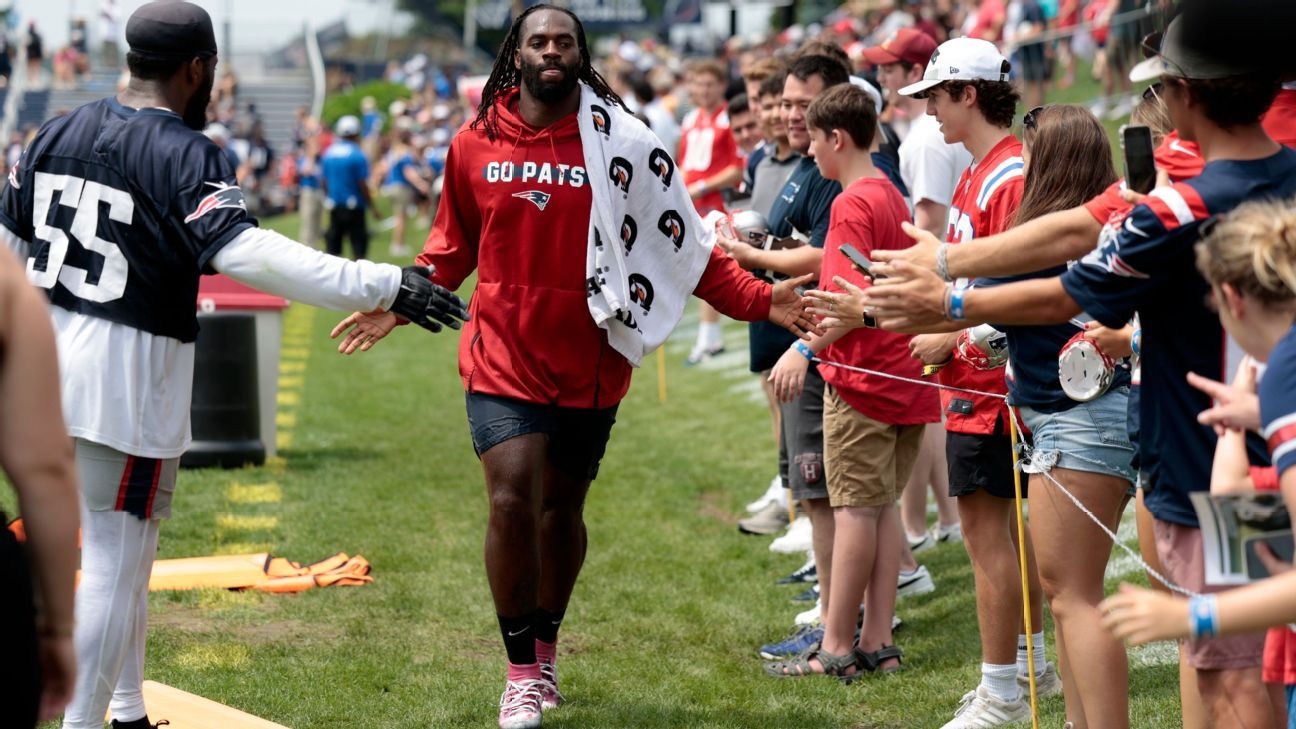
(577,437)
(1091,436)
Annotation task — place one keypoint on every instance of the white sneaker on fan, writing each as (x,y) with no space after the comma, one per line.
(797,539)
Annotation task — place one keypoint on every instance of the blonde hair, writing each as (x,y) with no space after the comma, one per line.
(1253,249)
(1152,114)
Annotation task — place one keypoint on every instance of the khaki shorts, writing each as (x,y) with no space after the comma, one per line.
(1182,556)
(867,462)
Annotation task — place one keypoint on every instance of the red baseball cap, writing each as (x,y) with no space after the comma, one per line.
(906,45)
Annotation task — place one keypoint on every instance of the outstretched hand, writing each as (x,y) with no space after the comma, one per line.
(905,297)
(365,329)
(838,309)
(921,254)
(788,309)
(1137,615)
(1236,406)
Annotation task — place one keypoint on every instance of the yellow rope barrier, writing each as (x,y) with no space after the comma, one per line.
(1021,549)
(661,373)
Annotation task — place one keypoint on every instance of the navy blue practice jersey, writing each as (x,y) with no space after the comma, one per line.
(123,210)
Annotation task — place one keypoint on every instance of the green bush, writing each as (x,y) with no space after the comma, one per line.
(340,104)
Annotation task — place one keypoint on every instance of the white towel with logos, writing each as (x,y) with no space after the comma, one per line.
(647,245)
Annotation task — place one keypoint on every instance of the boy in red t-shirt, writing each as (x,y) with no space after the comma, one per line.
(873,426)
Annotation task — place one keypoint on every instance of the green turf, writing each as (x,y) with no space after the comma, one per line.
(664,624)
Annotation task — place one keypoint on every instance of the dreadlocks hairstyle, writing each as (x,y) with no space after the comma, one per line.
(505,77)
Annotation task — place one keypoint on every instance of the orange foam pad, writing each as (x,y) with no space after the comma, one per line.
(187,711)
(224,571)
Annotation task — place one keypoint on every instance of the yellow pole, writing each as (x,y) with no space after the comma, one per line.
(661,373)
(1021,549)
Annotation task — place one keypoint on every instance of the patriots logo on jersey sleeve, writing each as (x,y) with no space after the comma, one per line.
(541,199)
(225,196)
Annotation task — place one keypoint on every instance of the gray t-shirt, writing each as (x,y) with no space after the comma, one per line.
(767,182)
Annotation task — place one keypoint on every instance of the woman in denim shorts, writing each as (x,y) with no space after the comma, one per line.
(1085,446)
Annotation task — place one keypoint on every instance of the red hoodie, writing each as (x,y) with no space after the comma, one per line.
(517,210)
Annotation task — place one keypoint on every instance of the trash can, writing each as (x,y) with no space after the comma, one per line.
(218,296)
(225,414)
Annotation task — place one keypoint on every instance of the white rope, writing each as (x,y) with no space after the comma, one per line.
(1029,452)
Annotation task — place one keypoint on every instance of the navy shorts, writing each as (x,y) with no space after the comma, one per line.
(577,436)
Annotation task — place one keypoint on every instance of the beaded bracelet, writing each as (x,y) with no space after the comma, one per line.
(803,349)
(942,262)
(1203,617)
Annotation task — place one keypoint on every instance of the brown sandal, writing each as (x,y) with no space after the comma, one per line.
(836,666)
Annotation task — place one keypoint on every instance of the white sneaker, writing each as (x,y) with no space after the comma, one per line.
(1121,110)
(520,704)
(797,539)
(773,494)
(948,535)
(924,543)
(918,582)
(811,616)
(1047,683)
(979,710)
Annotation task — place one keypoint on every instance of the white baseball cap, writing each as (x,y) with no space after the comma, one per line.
(347,126)
(868,88)
(961,59)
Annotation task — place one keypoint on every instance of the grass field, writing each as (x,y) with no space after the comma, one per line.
(663,628)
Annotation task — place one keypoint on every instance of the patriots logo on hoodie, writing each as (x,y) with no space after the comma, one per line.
(672,226)
(225,196)
(541,199)
(621,173)
(602,120)
(662,165)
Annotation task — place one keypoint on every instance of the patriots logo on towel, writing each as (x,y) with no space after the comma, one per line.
(602,120)
(672,226)
(541,199)
(629,232)
(225,196)
(662,165)
(641,291)
(621,173)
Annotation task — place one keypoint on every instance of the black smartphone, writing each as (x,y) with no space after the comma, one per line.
(861,262)
(1140,167)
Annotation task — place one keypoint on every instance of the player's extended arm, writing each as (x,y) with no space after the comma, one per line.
(270,262)
(36,453)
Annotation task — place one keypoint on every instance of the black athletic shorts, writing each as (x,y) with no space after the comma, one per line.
(577,436)
(980,462)
(20,684)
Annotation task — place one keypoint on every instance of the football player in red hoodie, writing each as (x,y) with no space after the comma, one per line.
(542,381)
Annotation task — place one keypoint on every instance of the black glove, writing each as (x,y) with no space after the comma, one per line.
(426,303)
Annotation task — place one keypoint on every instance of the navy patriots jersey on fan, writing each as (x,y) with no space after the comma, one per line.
(1278,403)
(123,210)
(1149,265)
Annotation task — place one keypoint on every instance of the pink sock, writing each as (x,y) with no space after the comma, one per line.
(546,652)
(524,672)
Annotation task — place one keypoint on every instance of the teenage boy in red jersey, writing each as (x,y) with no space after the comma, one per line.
(543,383)
(967,90)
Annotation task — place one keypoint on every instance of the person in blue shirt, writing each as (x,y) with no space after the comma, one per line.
(404,184)
(345,174)
(1215,98)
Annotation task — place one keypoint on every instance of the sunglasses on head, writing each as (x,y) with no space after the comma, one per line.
(1153,92)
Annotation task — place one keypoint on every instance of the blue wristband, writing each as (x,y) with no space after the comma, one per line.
(956,303)
(1203,617)
(1136,342)
(803,349)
